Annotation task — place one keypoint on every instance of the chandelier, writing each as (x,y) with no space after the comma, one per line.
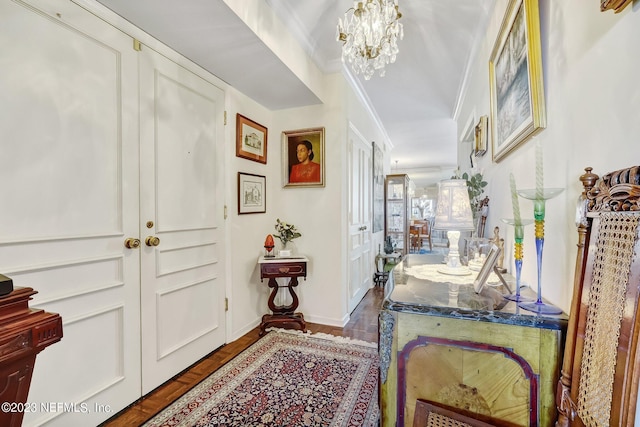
(369,34)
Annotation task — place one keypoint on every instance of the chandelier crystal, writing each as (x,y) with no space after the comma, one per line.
(369,33)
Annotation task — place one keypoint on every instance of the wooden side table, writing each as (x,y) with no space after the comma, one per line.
(283,316)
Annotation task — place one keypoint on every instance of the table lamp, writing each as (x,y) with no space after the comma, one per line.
(453,213)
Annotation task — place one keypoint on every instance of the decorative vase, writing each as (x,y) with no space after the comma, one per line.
(286,248)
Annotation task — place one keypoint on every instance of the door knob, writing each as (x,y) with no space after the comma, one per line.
(132,243)
(152,241)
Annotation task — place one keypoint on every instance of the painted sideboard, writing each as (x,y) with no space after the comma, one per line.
(443,342)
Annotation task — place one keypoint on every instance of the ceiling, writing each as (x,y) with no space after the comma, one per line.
(415,102)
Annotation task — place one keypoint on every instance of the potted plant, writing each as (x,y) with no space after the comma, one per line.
(475,188)
(286,233)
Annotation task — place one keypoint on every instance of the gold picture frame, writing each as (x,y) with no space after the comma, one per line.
(251,139)
(480,140)
(303,160)
(516,79)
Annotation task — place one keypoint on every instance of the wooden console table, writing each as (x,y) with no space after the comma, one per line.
(442,342)
(283,316)
(24,333)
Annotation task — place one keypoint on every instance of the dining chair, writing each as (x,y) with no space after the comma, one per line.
(600,374)
(425,234)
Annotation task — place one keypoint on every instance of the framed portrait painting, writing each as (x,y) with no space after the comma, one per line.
(516,80)
(303,161)
(252,194)
(251,140)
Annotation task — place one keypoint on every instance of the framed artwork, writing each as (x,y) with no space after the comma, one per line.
(378,189)
(486,269)
(516,80)
(252,194)
(303,158)
(251,140)
(480,139)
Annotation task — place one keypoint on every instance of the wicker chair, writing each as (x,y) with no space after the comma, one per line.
(600,373)
(428,414)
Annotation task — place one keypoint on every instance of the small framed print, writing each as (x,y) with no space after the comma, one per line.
(481,137)
(251,140)
(486,269)
(303,158)
(252,194)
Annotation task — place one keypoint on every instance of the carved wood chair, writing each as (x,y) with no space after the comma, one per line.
(600,373)
(428,414)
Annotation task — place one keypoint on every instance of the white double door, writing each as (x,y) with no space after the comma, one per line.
(100,144)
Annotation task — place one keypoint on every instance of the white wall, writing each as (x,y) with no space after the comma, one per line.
(592,99)
(318,213)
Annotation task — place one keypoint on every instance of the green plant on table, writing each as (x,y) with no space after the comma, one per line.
(286,232)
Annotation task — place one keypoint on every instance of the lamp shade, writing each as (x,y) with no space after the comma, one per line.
(453,211)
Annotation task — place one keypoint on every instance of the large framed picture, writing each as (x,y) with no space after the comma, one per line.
(516,79)
(252,196)
(303,158)
(251,139)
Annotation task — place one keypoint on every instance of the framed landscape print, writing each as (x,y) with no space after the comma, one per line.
(251,193)
(516,80)
(303,158)
(251,139)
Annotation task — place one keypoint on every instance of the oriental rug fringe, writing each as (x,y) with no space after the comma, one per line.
(287,378)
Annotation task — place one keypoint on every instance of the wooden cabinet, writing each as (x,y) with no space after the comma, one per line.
(442,342)
(24,332)
(397,210)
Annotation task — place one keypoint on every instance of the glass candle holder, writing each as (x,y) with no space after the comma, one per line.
(539,197)
(518,255)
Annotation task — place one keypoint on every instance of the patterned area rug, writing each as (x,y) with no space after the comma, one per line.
(289,379)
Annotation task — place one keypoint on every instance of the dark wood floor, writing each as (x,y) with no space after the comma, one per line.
(363,326)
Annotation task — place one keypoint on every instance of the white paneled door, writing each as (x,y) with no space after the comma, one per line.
(360,185)
(181,216)
(101,144)
(69,191)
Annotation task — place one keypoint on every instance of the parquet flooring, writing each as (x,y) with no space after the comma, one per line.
(363,325)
